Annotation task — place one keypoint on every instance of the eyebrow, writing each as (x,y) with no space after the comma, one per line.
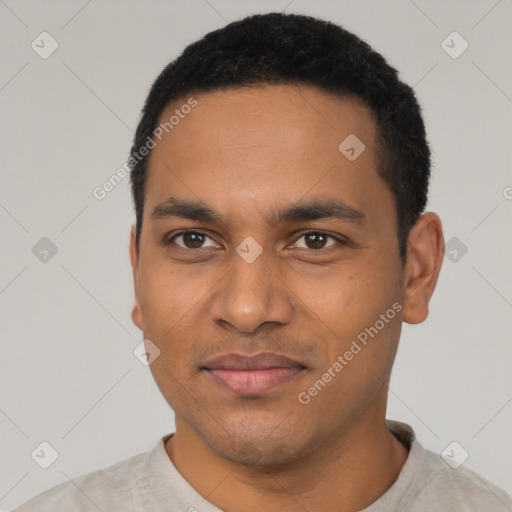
(311,210)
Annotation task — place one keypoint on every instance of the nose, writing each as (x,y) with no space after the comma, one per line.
(252,294)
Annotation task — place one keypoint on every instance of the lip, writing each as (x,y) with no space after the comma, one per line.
(252,374)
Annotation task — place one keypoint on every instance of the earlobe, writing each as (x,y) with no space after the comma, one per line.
(134,258)
(425,252)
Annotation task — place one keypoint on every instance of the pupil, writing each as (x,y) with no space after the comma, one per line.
(194,243)
(319,244)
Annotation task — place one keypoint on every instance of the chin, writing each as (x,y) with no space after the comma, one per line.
(258,443)
(258,453)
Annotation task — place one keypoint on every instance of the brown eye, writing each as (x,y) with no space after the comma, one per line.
(191,240)
(317,240)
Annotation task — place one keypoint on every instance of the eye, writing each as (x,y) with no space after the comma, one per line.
(191,240)
(316,240)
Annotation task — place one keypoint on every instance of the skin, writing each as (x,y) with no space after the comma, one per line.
(247,152)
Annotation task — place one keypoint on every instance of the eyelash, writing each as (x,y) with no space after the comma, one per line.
(169,241)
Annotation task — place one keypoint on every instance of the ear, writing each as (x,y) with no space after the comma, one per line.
(425,252)
(134,258)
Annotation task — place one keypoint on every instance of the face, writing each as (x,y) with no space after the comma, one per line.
(278,313)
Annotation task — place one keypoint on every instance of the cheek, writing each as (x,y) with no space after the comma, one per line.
(162,307)
(339,299)
(172,381)
(347,303)
(168,294)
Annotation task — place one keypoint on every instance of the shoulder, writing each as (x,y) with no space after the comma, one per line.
(459,489)
(109,488)
(429,482)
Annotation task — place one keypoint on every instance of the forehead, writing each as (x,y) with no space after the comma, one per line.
(265,144)
(303,118)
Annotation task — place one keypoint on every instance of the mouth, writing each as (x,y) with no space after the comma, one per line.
(252,375)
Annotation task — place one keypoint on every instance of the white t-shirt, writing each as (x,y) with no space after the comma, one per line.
(149,482)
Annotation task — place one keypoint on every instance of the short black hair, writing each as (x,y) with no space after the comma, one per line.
(277,48)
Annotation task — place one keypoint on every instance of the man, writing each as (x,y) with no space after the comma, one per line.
(280,173)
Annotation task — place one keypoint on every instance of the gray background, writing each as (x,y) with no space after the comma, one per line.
(67,373)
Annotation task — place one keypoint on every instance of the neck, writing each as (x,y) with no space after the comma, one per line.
(348,472)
